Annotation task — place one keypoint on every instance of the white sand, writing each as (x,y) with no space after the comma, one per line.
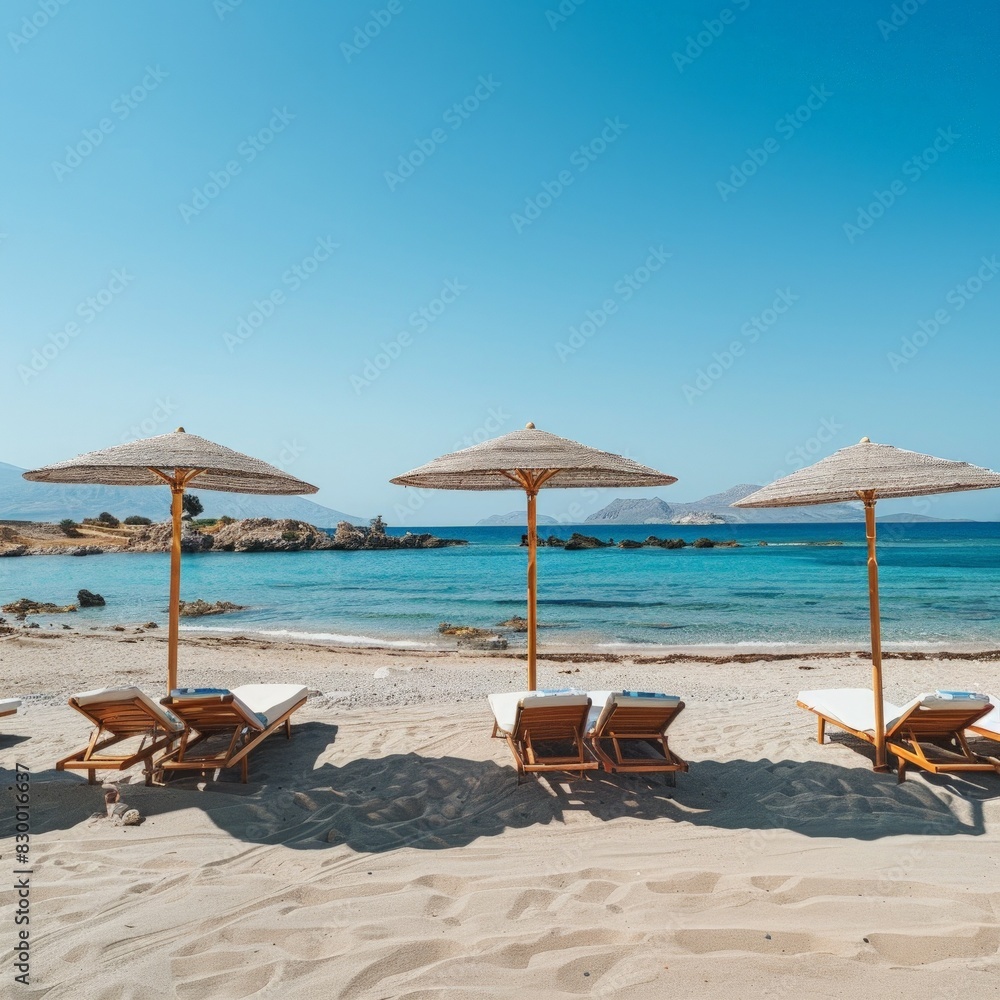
(387,850)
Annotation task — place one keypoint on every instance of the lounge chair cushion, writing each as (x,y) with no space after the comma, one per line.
(991,722)
(854,707)
(270,701)
(102,695)
(9,705)
(264,702)
(606,700)
(507,707)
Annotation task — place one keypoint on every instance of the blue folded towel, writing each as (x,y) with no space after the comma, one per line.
(958,695)
(647,694)
(198,692)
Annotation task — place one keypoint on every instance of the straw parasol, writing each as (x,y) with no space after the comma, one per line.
(177,460)
(531,460)
(871,472)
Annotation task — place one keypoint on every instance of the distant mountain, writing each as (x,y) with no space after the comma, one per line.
(516,518)
(719,503)
(24,501)
(634,511)
(920,518)
(717,506)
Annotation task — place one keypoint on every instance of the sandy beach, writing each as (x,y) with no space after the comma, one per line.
(388,851)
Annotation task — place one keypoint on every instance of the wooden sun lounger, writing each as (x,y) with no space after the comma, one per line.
(636,721)
(119,714)
(9,706)
(538,726)
(247,716)
(914,732)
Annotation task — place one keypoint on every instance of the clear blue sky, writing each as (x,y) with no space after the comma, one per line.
(560,154)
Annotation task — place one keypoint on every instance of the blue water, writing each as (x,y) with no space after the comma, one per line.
(939,586)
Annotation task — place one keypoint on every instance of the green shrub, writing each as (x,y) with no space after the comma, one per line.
(69,526)
(138,519)
(289,536)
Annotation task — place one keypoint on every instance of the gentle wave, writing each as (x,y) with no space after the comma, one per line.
(333,637)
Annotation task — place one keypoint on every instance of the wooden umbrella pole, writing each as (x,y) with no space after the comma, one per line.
(532,588)
(876,627)
(177,483)
(176,509)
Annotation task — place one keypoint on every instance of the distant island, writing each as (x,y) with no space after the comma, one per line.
(516,518)
(96,536)
(714,509)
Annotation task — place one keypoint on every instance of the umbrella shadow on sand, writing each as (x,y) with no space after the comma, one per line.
(375,805)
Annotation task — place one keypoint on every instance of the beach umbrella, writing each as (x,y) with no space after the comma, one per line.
(871,472)
(531,460)
(176,460)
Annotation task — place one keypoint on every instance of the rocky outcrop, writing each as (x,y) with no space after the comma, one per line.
(352,538)
(200,608)
(578,541)
(159,537)
(256,534)
(88,600)
(23,607)
(515,624)
(575,541)
(473,638)
(628,543)
(666,543)
(553,541)
(265,534)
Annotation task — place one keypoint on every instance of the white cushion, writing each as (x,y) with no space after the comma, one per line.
(602,700)
(991,722)
(270,700)
(854,707)
(102,695)
(507,707)
(8,706)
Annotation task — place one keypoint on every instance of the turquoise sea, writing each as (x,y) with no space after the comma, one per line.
(939,588)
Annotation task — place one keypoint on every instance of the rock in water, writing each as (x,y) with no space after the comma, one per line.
(23,607)
(515,624)
(88,600)
(200,608)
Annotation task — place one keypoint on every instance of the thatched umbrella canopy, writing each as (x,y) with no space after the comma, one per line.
(531,460)
(176,460)
(871,472)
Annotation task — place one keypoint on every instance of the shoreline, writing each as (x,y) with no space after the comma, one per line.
(595,652)
(636,653)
